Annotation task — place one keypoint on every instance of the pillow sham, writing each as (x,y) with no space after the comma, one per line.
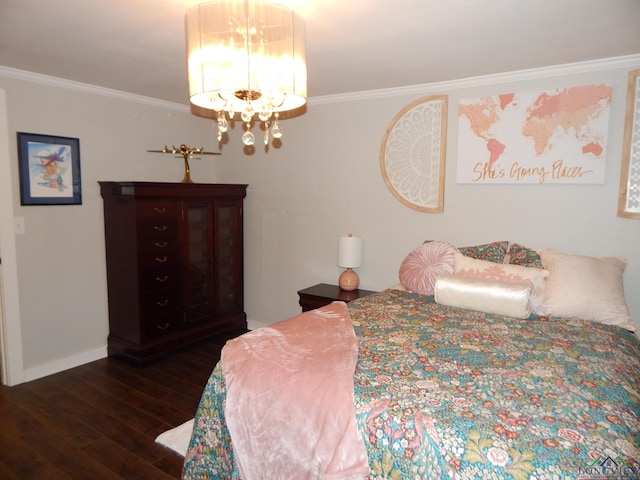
(584,287)
(535,277)
(491,252)
(419,270)
(525,256)
(497,297)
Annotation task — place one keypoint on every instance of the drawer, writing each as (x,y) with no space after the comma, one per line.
(158,244)
(160,302)
(162,325)
(163,277)
(156,228)
(159,259)
(157,209)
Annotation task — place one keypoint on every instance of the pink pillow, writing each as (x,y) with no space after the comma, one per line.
(420,269)
(536,277)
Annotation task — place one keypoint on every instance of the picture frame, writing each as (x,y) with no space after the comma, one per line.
(413,154)
(49,169)
(629,197)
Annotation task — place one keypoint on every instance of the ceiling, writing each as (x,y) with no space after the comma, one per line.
(138,46)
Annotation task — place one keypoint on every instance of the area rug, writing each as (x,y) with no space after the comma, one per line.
(177,439)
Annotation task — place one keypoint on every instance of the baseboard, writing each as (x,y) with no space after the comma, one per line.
(64,364)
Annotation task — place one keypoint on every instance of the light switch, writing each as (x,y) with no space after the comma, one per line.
(19,227)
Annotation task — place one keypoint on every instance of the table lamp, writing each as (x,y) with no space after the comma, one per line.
(349,257)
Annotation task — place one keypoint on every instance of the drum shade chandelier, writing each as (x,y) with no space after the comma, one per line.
(246,57)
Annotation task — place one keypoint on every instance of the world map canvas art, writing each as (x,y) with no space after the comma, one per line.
(553,136)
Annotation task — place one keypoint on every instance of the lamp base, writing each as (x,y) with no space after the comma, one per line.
(348,280)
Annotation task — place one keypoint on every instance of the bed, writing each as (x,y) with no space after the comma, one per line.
(442,389)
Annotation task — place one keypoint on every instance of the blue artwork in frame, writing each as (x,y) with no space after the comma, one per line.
(49,170)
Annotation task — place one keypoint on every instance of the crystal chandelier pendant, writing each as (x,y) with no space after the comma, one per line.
(247,113)
(266,133)
(276,132)
(222,122)
(264,115)
(222,125)
(248,138)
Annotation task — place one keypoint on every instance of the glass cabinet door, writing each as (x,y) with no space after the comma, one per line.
(228,258)
(198,285)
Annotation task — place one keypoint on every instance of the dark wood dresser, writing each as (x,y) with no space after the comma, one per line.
(174,255)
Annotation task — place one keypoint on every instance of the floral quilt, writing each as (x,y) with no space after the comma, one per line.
(443,392)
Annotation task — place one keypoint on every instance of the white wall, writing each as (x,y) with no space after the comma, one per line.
(322,182)
(60,258)
(326,181)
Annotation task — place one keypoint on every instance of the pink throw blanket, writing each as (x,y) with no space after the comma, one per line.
(290,408)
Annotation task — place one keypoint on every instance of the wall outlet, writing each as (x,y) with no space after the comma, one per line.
(18,226)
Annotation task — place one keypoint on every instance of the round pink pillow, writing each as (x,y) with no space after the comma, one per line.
(420,269)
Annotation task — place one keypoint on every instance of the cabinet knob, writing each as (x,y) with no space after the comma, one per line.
(160,228)
(162,259)
(163,327)
(164,278)
(160,209)
(162,303)
(161,244)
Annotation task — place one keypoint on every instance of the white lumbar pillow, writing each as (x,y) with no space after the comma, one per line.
(511,299)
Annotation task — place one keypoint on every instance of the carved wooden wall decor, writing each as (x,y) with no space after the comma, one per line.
(412,154)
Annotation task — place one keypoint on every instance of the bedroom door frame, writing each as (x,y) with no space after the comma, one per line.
(11,362)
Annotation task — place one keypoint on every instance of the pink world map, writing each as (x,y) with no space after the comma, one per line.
(535,132)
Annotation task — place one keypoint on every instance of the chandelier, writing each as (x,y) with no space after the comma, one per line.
(248,58)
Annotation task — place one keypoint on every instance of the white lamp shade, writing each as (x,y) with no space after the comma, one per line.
(349,251)
(238,49)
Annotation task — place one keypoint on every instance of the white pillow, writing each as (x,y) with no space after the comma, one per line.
(535,277)
(590,288)
(510,299)
(419,270)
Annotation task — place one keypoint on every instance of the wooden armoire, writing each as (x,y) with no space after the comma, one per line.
(174,254)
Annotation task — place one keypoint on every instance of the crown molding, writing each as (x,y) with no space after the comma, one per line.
(88,88)
(628,61)
(612,63)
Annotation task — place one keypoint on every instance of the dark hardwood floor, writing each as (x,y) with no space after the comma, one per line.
(100,420)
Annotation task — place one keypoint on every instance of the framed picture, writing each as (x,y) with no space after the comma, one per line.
(49,170)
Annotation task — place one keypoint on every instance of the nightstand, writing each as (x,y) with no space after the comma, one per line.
(323,294)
